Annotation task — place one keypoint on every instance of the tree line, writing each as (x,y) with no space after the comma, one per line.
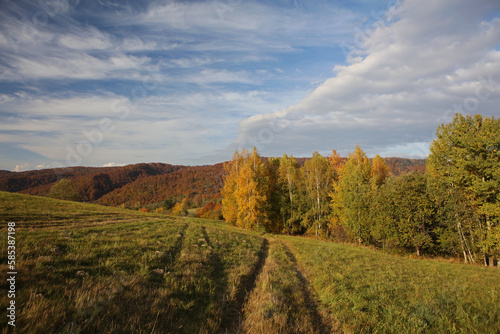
(453,209)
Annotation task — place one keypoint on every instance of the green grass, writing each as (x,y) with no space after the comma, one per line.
(85,269)
(368,291)
(37,211)
(144,274)
(281,301)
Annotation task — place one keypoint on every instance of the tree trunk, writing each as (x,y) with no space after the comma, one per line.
(465,247)
(488,224)
(461,240)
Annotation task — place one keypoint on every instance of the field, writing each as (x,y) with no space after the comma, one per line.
(84,269)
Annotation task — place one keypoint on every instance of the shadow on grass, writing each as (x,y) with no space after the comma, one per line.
(319,325)
(232,317)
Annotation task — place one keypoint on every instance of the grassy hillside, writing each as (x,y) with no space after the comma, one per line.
(36,211)
(368,291)
(123,270)
(86,268)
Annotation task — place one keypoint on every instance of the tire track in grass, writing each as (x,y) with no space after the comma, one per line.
(218,276)
(189,288)
(175,251)
(233,316)
(167,260)
(319,325)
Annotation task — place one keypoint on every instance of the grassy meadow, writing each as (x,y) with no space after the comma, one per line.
(91,269)
(371,292)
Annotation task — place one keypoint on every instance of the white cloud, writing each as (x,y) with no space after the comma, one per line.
(208,76)
(31,107)
(112,164)
(431,56)
(75,65)
(29,166)
(22,167)
(160,128)
(248,25)
(90,39)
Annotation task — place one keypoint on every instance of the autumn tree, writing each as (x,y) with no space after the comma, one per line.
(381,227)
(335,226)
(251,192)
(245,191)
(232,171)
(274,196)
(409,212)
(380,172)
(465,157)
(181,208)
(336,163)
(210,210)
(289,176)
(456,221)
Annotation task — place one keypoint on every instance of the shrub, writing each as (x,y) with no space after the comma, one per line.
(64,189)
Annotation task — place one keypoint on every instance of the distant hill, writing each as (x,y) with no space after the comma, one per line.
(146,183)
(400,166)
(198,183)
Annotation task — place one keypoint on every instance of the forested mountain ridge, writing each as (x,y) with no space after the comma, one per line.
(198,183)
(138,185)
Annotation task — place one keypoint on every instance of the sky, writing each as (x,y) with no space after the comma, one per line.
(110,83)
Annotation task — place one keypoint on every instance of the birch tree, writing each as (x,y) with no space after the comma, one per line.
(318,182)
(465,156)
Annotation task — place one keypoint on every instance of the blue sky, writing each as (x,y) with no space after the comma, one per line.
(103,83)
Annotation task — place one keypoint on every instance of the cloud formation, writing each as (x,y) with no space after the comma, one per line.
(407,73)
(187,82)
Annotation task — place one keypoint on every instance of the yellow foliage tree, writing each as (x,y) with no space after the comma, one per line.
(229,204)
(245,189)
(380,172)
(181,208)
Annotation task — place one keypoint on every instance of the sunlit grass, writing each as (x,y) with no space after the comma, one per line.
(37,211)
(368,291)
(91,269)
(145,275)
(281,301)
